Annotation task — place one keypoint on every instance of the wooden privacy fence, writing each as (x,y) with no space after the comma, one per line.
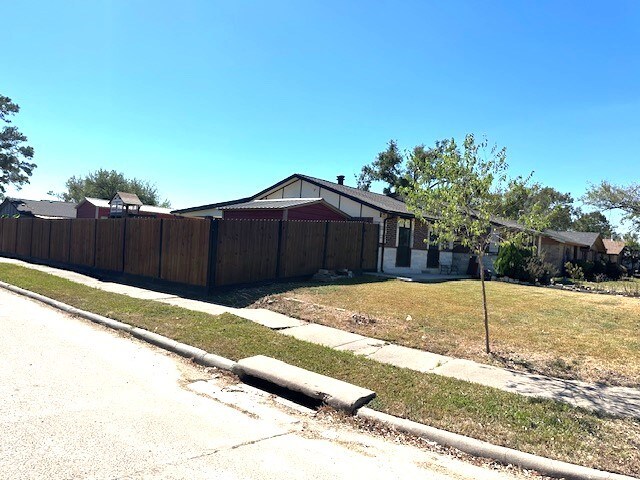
(199,252)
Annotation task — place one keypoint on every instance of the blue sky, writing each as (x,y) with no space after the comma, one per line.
(214,100)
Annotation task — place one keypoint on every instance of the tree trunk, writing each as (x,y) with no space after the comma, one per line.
(484,303)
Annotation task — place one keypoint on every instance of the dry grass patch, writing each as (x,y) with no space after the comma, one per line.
(565,334)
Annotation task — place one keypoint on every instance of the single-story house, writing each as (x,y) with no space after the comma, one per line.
(561,247)
(402,246)
(99,208)
(614,250)
(13,207)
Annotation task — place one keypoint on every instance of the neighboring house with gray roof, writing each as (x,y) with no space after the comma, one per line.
(561,247)
(20,207)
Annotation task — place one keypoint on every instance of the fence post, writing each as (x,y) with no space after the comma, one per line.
(362,246)
(124,246)
(69,247)
(95,243)
(324,248)
(49,249)
(213,253)
(160,249)
(279,248)
(15,241)
(31,241)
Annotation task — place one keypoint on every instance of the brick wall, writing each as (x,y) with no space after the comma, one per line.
(392,231)
(421,235)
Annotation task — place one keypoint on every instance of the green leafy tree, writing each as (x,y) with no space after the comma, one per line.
(607,196)
(631,254)
(388,167)
(631,240)
(460,189)
(15,156)
(106,183)
(593,222)
(520,199)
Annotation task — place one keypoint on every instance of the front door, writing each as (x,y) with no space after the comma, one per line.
(403,252)
(433,256)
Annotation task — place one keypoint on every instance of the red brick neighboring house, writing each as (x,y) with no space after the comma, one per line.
(99,208)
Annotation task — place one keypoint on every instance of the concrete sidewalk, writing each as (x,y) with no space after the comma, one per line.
(619,401)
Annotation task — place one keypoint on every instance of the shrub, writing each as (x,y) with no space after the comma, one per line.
(589,269)
(539,271)
(614,271)
(511,261)
(599,267)
(574,271)
(599,278)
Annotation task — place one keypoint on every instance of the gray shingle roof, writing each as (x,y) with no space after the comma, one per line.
(44,208)
(271,204)
(505,222)
(584,239)
(376,200)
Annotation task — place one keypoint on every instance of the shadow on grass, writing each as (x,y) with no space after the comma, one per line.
(243,296)
(236,296)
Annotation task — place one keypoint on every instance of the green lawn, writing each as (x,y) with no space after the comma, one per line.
(537,426)
(566,334)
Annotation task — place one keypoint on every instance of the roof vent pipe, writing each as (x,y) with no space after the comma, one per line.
(340,179)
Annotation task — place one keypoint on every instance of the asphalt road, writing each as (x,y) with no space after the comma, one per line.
(80,401)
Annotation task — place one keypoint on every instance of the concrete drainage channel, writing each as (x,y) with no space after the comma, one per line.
(313,390)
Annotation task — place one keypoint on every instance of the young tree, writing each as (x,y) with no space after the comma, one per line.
(461,190)
(105,183)
(15,156)
(607,196)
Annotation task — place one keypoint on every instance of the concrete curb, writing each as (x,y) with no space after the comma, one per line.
(198,355)
(335,393)
(478,448)
(472,446)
